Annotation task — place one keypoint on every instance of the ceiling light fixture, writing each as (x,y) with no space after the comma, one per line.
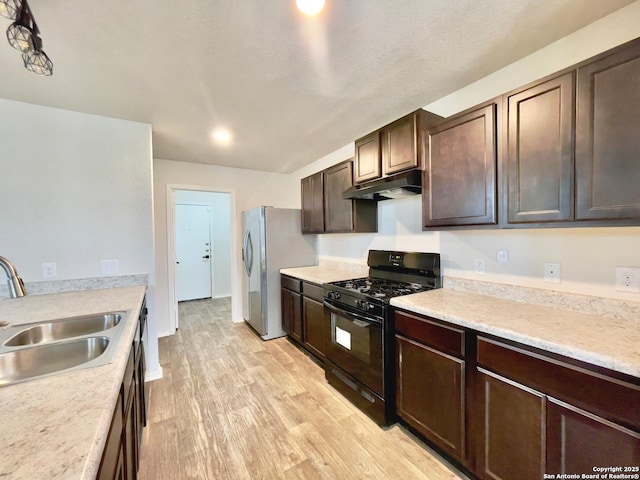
(310,7)
(222,136)
(24,36)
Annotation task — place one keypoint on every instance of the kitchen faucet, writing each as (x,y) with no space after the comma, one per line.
(16,285)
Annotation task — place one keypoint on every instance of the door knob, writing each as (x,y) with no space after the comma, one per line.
(206,256)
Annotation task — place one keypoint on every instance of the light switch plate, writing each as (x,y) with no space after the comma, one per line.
(552,272)
(109,267)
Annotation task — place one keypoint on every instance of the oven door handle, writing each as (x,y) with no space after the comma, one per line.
(352,316)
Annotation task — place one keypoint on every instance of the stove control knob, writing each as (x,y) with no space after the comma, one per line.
(363,304)
(334,295)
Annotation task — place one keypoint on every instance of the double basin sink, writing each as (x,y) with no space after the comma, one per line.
(55,346)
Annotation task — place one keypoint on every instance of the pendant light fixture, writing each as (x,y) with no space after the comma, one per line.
(24,36)
(20,32)
(10,8)
(37,61)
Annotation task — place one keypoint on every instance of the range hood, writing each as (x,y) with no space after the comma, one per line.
(397,186)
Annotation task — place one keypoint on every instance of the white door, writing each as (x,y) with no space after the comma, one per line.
(193,252)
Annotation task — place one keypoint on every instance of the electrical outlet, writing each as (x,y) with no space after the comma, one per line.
(628,279)
(49,270)
(479,266)
(552,272)
(502,256)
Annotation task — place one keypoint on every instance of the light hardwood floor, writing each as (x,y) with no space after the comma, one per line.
(231,406)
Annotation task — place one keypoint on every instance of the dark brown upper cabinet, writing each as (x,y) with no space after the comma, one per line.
(324,210)
(400,148)
(394,148)
(607,140)
(540,152)
(459,186)
(367,158)
(313,203)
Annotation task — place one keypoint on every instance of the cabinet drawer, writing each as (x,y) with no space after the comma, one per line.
(292,284)
(314,291)
(575,383)
(447,339)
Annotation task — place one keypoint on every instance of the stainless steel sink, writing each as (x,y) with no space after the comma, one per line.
(46,348)
(26,363)
(65,328)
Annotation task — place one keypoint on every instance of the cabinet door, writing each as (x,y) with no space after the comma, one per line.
(367,158)
(430,394)
(460,176)
(400,149)
(111,465)
(338,211)
(512,441)
(314,326)
(540,152)
(291,314)
(141,413)
(577,441)
(130,436)
(312,203)
(607,140)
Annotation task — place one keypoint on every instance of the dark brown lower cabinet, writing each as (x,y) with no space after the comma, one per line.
(314,326)
(130,434)
(291,313)
(431,387)
(430,394)
(542,413)
(303,316)
(121,455)
(503,410)
(141,410)
(112,463)
(512,441)
(577,441)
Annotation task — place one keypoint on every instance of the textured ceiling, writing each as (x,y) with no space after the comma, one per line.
(292,89)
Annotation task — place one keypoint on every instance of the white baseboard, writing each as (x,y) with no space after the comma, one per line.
(155,375)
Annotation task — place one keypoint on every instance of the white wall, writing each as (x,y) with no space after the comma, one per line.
(588,256)
(220,209)
(76,189)
(248,189)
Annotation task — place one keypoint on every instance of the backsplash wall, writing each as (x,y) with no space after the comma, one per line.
(587,256)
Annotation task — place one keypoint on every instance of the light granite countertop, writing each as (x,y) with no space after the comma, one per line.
(607,342)
(56,427)
(319,274)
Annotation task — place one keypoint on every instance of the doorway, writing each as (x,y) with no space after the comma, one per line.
(200,245)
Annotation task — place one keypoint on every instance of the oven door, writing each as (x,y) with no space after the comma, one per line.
(355,346)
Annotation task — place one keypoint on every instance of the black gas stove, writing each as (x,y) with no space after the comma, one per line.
(379,288)
(359,353)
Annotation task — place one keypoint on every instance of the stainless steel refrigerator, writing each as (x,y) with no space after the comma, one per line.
(271,241)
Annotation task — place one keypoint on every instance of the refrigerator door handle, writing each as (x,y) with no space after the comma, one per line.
(244,254)
(248,250)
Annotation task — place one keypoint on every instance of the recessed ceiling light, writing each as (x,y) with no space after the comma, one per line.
(222,136)
(310,7)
